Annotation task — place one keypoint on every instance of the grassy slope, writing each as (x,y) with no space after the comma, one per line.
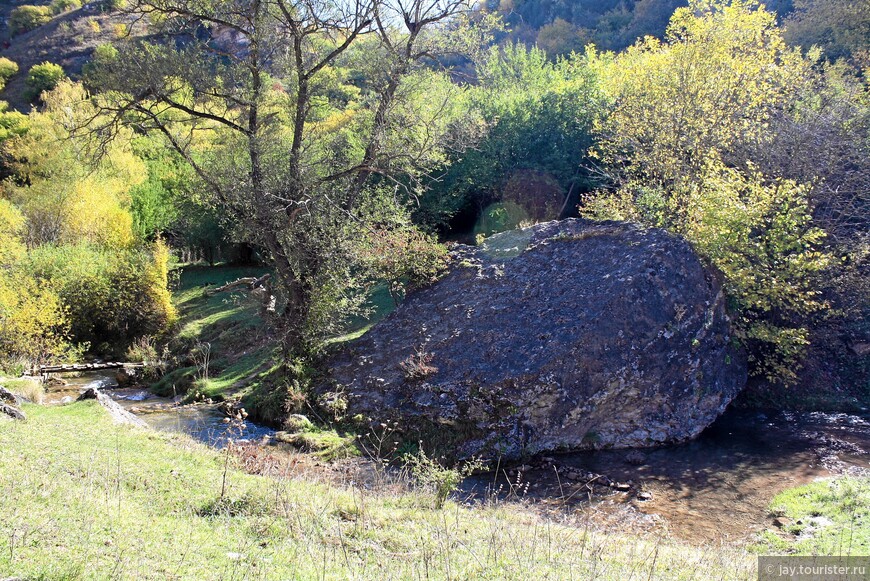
(241,353)
(827,517)
(82,497)
(229,323)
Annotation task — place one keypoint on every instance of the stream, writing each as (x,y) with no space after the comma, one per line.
(205,422)
(716,488)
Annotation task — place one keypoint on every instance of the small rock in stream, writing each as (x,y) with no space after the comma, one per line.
(635,457)
(297,423)
(89,393)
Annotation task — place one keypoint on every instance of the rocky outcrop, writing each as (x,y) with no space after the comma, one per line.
(9,405)
(566,335)
(8,397)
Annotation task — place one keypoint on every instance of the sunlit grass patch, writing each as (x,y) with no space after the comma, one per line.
(827,517)
(85,498)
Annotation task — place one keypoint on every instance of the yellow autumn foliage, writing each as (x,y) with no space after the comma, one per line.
(70,194)
(684,112)
(33,324)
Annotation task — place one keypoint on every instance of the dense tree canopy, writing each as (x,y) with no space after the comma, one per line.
(334,141)
(696,142)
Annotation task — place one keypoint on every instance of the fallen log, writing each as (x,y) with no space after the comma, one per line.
(247,281)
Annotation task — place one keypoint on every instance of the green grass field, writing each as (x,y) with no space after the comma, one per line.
(83,498)
(827,517)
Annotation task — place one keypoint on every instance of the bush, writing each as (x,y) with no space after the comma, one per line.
(12,123)
(440,480)
(42,77)
(61,6)
(33,325)
(112,296)
(689,142)
(7,69)
(25,18)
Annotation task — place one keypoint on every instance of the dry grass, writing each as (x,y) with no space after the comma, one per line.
(29,389)
(84,498)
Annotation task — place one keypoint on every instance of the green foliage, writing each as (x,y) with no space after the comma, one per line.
(564,26)
(67,193)
(560,38)
(103,55)
(8,68)
(295,157)
(537,121)
(26,17)
(154,202)
(33,322)
(443,481)
(840,27)
(12,124)
(398,254)
(761,238)
(42,77)
(111,296)
(61,6)
(685,115)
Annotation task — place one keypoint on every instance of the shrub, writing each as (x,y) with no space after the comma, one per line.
(441,480)
(7,69)
(33,324)
(42,77)
(690,141)
(61,6)
(27,17)
(112,296)
(12,123)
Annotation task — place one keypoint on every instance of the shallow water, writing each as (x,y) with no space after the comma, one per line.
(205,422)
(715,488)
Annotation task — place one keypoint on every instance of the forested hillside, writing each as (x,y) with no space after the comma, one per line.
(839,27)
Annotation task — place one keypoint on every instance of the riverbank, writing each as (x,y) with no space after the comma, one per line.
(87,498)
(715,489)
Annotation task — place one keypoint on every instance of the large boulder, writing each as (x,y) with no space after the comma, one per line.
(565,335)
